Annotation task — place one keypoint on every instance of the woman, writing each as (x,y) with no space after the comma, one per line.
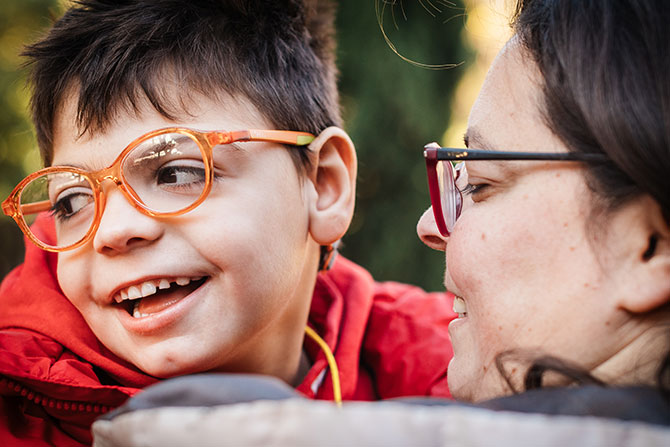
(564,265)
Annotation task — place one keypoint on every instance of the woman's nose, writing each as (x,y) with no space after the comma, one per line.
(124,227)
(428,232)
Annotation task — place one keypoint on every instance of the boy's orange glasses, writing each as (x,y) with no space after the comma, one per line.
(163,173)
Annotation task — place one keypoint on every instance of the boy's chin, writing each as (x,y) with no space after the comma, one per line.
(167,365)
(161,372)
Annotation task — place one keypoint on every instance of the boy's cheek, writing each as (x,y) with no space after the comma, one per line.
(73,280)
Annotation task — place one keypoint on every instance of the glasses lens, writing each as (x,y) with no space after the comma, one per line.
(460,182)
(166,173)
(67,197)
(449,195)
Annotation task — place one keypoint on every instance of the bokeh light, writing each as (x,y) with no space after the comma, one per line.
(486,31)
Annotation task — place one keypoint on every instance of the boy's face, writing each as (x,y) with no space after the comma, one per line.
(245,254)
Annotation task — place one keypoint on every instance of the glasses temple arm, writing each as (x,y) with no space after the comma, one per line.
(271,136)
(478,154)
(37,207)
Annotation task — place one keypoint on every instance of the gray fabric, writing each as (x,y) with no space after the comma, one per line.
(300,422)
(642,404)
(228,409)
(204,390)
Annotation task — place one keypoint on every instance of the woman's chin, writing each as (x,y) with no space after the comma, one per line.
(459,387)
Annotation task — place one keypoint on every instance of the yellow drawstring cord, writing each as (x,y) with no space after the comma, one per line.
(332,364)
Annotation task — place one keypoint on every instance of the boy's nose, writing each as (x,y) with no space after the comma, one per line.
(123,227)
(428,232)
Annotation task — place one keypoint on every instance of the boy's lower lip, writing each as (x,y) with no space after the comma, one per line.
(163,318)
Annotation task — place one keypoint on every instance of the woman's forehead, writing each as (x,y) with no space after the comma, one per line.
(508,112)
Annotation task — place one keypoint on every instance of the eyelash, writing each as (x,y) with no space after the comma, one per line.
(473,189)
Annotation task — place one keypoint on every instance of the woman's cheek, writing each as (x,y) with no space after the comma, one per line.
(480,250)
(463,256)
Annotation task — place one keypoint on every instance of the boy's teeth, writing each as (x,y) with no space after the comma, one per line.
(183,281)
(460,307)
(148,288)
(137,313)
(134,292)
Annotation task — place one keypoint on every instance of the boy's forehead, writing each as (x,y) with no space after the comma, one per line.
(219,111)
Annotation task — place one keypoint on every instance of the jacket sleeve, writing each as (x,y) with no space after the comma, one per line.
(48,396)
(407,345)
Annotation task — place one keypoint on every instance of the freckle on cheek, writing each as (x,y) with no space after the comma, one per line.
(500,328)
(483,236)
(572,248)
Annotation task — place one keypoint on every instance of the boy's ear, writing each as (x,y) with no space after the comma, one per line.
(334,178)
(648,284)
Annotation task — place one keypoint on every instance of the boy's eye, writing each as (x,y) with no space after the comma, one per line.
(180,175)
(70,202)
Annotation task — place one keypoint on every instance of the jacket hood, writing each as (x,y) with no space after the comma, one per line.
(31,298)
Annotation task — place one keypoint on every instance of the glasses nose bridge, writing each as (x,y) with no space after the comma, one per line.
(111,173)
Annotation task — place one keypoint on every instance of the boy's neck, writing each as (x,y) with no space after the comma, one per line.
(303,368)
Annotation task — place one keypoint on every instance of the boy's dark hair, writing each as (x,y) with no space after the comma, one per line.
(115,53)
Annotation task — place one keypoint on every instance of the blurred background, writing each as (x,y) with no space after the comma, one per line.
(409,72)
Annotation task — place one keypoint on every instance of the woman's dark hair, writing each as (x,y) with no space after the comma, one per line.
(279,54)
(606,71)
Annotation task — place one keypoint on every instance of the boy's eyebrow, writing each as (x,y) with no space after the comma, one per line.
(232,148)
(85,167)
(235,146)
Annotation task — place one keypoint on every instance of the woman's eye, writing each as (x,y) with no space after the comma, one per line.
(69,204)
(473,190)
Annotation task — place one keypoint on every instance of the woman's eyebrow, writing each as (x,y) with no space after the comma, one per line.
(473,139)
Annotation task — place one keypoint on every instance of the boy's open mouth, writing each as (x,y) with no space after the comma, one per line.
(153,296)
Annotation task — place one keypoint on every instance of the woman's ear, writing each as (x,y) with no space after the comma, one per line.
(334,179)
(647,286)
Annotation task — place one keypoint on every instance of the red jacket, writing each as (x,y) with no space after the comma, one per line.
(388,339)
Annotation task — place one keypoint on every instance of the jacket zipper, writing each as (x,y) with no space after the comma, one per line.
(39,399)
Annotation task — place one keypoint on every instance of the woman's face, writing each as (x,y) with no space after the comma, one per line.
(532,274)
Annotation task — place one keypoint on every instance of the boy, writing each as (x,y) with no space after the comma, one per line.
(202,180)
